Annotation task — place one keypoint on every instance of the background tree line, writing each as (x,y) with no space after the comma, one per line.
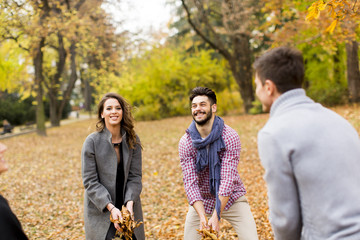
(47,46)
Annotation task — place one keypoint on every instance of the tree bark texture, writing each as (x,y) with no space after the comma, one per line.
(71,83)
(40,112)
(53,86)
(86,91)
(353,73)
(241,69)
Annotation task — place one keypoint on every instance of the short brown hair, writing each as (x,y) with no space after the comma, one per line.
(203,91)
(284,66)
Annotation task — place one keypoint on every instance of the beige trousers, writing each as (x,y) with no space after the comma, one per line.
(238,215)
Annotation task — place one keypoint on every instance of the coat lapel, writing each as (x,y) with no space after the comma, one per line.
(126,157)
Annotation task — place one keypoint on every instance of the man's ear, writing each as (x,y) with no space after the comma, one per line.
(270,88)
(214,108)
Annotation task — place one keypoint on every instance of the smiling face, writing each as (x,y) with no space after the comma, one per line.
(202,110)
(112,112)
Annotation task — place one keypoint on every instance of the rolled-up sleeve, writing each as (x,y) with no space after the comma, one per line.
(229,162)
(187,160)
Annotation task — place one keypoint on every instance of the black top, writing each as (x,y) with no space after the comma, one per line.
(120,179)
(10,227)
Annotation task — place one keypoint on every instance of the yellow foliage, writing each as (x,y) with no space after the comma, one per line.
(315,9)
(337,9)
(332,26)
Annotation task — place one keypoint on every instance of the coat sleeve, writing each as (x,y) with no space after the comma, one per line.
(96,192)
(133,186)
(229,163)
(284,205)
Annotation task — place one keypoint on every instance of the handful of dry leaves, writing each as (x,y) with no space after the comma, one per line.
(208,234)
(127,225)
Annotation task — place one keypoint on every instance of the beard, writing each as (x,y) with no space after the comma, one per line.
(205,120)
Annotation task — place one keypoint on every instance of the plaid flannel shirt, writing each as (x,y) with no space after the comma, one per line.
(197,185)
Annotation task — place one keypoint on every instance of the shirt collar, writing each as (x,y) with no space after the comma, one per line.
(291,94)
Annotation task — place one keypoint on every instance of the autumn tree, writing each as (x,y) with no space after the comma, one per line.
(13,69)
(347,15)
(57,34)
(63,39)
(227,27)
(90,39)
(28,24)
(325,54)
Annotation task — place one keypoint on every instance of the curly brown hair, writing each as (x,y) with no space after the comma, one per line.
(127,122)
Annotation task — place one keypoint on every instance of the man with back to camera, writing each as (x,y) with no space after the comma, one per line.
(209,155)
(311,156)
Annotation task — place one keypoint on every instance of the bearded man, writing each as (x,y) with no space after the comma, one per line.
(209,155)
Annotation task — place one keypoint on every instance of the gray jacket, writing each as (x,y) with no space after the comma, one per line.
(311,157)
(99,167)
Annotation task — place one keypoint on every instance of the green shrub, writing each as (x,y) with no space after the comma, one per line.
(15,110)
(257,107)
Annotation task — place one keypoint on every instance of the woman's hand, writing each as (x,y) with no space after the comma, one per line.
(116,215)
(130,207)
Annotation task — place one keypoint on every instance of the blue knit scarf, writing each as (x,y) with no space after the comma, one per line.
(210,157)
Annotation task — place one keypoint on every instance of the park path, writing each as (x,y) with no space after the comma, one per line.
(23,129)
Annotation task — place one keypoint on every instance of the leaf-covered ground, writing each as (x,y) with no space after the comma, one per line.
(44,186)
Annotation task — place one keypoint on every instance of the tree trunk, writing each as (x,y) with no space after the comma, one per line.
(239,54)
(353,73)
(240,66)
(337,66)
(53,104)
(40,112)
(87,90)
(53,89)
(71,84)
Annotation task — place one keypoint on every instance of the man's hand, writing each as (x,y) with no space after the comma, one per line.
(214,222)
(203,222)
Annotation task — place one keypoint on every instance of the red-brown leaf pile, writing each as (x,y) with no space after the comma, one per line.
(44,184)
(127,225)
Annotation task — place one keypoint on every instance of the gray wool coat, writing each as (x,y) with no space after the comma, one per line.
(99,167)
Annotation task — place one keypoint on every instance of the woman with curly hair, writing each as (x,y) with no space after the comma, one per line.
(111,170)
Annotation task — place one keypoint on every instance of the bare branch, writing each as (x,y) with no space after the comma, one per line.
(221,50)
(78,5)
(16,39)
(204,16)
(353,8)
